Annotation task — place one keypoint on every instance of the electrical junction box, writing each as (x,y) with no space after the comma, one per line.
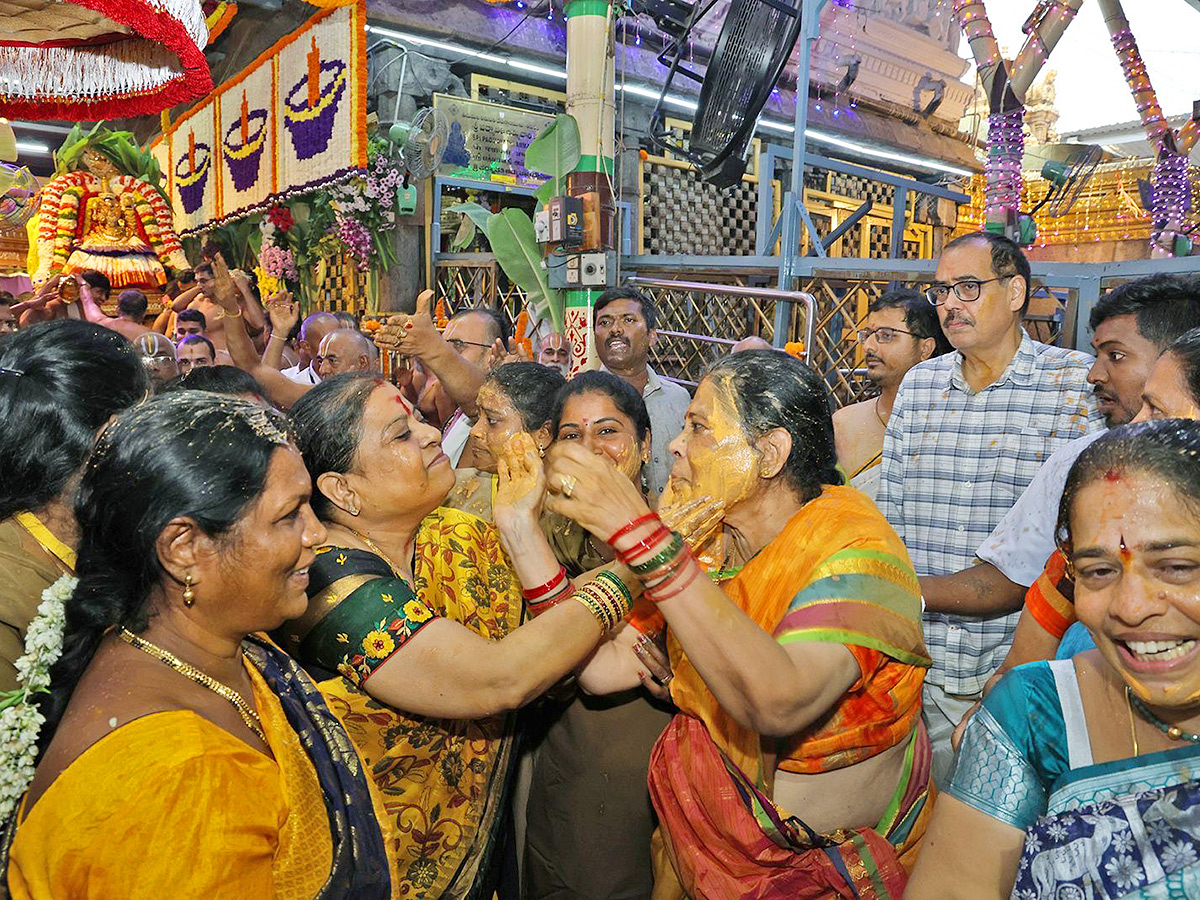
(576,271)
(595,268)
(541,226)
(566,221)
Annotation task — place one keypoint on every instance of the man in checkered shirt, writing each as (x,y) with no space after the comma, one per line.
(968,432)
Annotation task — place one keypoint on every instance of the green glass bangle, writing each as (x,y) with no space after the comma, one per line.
(659,559)
(617,583)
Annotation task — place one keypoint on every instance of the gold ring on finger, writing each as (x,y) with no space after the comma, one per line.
(568,485)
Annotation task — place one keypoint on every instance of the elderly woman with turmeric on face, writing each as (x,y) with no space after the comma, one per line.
(797,765)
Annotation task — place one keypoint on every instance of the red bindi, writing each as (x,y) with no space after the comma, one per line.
(1125,554)
(1112,475)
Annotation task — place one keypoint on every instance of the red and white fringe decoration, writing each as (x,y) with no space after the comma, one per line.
(115,76)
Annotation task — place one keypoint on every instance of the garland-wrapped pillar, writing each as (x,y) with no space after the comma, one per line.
(1172,196)
(591,99)
(1005,88)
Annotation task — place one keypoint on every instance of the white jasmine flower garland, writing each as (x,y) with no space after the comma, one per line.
(20,722)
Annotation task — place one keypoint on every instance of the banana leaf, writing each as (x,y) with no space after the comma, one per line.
(510,233)
(474,216)
(555,152)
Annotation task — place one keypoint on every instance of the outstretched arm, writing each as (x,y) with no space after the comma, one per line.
(772,689)
(417,336)
(91,309)
(282,391)
(449,671)
(982,590)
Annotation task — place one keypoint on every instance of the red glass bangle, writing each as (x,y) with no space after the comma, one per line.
(543,590)
(643,546)
(663,573)
(540,606)
(630,526)
(656,595)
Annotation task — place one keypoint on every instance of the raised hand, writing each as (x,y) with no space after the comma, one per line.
(224,287)
(284,312)
(591,490)
(522,483)
(414,335)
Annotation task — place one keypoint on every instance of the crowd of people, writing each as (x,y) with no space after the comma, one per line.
(275,623)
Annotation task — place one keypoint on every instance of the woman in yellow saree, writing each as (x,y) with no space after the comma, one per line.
(182,754)
(797,766)
(412,624)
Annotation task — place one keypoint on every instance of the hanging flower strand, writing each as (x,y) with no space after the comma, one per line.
(20,721)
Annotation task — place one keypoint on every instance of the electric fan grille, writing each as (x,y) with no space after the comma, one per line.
(426,142)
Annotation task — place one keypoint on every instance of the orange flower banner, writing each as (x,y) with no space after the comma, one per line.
(292,121)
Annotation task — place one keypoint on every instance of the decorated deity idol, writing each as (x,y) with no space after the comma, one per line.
(105,210)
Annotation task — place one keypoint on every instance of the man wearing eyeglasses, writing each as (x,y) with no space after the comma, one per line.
(901,330)
(968,432)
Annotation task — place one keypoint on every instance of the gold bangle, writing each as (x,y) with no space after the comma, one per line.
(605,600)
(594,608)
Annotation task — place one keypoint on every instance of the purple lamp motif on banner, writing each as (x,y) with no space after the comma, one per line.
(244,142)
(191,174)
(311,105)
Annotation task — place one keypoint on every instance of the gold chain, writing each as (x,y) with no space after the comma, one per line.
(249,716)
(374,548)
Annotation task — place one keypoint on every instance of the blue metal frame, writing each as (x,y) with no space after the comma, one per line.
(768,228)
(1089,280)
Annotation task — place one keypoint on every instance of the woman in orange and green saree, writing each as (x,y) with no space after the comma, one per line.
(412,623)
(797,765)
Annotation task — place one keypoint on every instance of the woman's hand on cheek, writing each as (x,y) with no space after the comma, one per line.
(522,483)
(591,490)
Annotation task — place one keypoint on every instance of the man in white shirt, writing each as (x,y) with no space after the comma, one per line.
(624,321)
(1131,327)
(313,330)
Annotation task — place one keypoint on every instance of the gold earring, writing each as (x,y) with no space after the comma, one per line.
(189,596)
(354,510)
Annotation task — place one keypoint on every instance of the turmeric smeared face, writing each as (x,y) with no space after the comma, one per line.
(594,420)
(713,456)
(1136,552)
(498,421)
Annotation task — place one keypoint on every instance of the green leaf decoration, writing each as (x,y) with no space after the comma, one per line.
(463,237)
(555,152)
(476,212)
(510,232)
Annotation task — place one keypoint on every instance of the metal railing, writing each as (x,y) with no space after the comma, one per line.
(700,321)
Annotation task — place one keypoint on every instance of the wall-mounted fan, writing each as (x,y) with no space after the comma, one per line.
(753,46)
(18,188)
(1067,178)
(421,141)
(18,195)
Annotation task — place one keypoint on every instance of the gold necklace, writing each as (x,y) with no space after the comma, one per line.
(249,716)
(375,549)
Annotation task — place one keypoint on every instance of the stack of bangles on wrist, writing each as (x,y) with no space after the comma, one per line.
(660,558)
(553,592)
(605,597)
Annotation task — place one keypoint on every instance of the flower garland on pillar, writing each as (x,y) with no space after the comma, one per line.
(1171,199)
(1005,87)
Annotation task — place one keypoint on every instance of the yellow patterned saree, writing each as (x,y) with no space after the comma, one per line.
(442,780)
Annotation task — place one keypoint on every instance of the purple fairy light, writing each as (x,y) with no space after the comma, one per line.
(1002,171)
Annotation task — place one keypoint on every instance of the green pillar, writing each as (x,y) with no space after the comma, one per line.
(591,100)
